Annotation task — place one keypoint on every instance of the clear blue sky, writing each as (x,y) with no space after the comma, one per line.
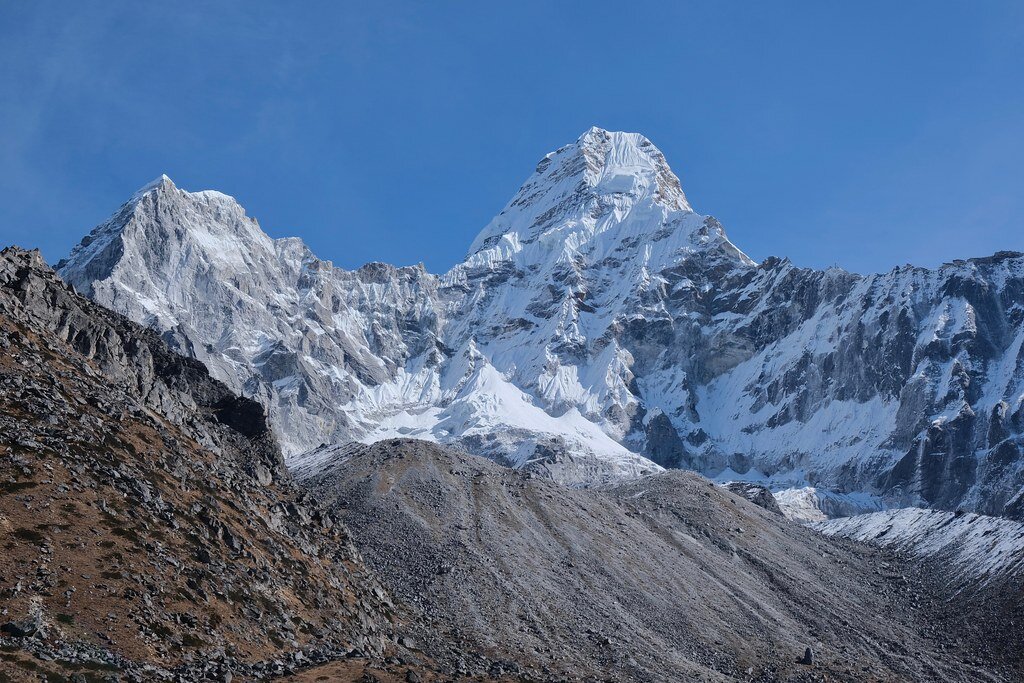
(861,134)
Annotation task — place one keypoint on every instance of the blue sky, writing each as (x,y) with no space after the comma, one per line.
(862,134)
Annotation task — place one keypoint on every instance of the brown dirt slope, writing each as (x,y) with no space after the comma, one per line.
(147,522)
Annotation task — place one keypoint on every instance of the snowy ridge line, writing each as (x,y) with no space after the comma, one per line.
(981,547)
(599,328)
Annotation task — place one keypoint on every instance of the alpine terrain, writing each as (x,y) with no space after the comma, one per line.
(599,328)
(152,532)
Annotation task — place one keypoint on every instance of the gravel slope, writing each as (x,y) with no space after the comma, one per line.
(663,578)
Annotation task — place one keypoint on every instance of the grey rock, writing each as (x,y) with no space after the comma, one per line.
(18,629)
(644,580)
(756,494)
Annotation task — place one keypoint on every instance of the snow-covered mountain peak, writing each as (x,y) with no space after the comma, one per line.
(163,182)
(614,158)
(604,195)
(164,185)
(161,218)
(597,324)
(142,253)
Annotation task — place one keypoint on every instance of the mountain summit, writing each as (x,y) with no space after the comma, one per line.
(599,328)
(601,172)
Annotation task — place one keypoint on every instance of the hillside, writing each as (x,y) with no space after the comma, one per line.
(149,524)
(663,578)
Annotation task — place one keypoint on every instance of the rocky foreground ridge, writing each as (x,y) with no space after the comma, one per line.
(599,328)
(149,525)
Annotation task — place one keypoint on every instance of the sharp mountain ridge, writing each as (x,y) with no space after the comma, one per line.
(599,328)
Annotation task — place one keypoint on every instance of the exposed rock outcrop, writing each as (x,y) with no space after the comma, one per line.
(756,494)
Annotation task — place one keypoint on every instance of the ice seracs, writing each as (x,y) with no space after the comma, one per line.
(599,327)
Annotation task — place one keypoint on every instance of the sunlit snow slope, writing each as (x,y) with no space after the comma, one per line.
(598,328)
(972,546)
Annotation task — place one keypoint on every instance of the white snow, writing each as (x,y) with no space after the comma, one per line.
(528,339)
(810,504)
(972,546)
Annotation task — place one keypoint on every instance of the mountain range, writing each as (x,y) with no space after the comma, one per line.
(153,532)
(598,329)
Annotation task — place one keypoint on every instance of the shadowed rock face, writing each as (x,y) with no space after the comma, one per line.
(126,353)
(756,494)
(599,312)
(149,524)
(663,578)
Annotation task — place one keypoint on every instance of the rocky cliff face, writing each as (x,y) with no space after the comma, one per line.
(598,328)
(266,316)
(150,525)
